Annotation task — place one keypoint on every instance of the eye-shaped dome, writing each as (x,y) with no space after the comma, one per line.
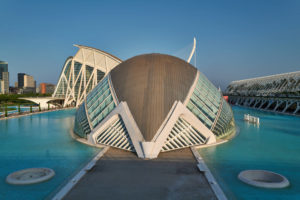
(153,103)
(150,84)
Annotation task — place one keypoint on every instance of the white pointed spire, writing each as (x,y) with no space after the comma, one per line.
(192,52)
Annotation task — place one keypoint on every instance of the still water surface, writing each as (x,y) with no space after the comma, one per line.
(40,140)
(274,145)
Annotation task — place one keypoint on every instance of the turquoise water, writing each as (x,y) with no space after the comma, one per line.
(274,145)
(40,140)
(22,109)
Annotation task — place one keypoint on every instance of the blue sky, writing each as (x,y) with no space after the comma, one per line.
(236,39)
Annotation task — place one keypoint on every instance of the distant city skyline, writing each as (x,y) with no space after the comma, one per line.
(235,39)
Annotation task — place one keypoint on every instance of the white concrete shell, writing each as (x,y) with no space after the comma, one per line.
(104,119)
(150,149)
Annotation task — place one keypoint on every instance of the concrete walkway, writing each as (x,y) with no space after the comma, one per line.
(121,175)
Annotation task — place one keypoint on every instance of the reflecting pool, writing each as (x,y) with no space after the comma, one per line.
(273,145)
(40,140)
(22,109)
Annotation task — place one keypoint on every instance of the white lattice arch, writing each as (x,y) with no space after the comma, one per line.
(93,65)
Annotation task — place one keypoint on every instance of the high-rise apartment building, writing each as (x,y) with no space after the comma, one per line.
(46,88)
(3,67)
(4,78)
(21,80)
(5,83)
(26,83)
(29,81)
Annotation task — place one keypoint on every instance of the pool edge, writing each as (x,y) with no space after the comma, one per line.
(74,180)
(210,178)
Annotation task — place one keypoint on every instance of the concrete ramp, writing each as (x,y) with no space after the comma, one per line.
(122,175)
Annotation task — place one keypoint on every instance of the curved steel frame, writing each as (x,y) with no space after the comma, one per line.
(74,86)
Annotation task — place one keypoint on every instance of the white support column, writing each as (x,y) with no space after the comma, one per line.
(278,103)
(288,104)
(256,102)
(262,103)
(298,108)
(271,101)
(133,130)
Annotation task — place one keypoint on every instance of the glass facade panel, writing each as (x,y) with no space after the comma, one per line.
(100,75)
(225,122)
(77,67)
(89,87)
(205,103)
(81,127)
(68,69)
(88,72)
(77,85)
(61,89)
(100,102)
(62,86)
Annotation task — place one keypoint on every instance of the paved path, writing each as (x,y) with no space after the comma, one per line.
(121,175)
